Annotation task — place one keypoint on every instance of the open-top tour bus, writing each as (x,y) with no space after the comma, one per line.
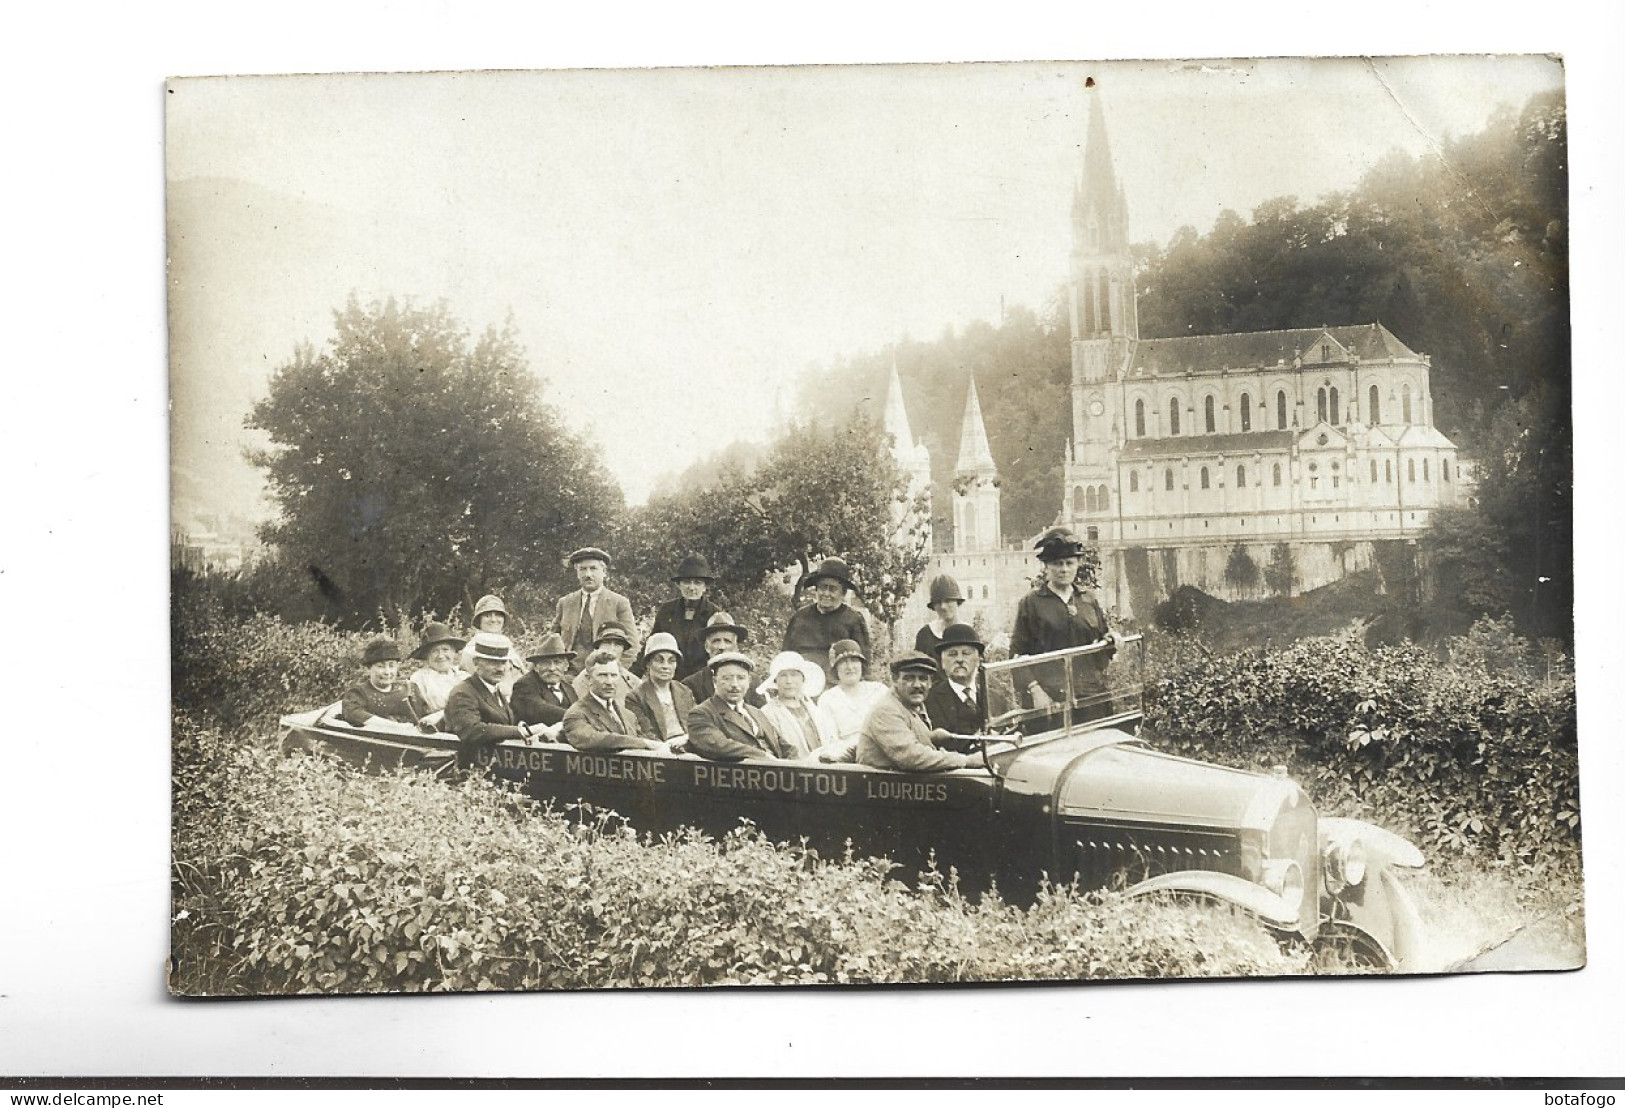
(1072,793)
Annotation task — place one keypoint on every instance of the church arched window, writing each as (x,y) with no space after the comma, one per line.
(1207,415)
(1425,476)
(1089,504)
(1134,480)
(1204,477)
(1276,475)
(1320,405)
(1139,419)
(1335,419)
(1103,499)
(1410,470)
(1173,416)
(1373,414)
(1241,477)
(1373,471)
(1405,403)
(1444,468)
(1078,501)
(1168,480)
(1246,412)
(1388,470)
(1280,410)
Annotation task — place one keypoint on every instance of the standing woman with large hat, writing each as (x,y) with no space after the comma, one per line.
(1061,613)
(815,628)
(684,618)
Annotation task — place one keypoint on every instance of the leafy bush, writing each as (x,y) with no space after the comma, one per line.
(295,875)
(1477,757)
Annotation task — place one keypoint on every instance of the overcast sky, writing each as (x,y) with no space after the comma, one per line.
(677,246)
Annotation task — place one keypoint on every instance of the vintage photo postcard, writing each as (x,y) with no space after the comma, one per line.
(860,525)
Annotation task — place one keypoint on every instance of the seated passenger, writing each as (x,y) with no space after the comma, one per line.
(435,680)
(615,640)
(945,598)
(898,735)
(380,701)
(792,683)
(958,701)
(727,729)
(490,614)
(722,636)
(542,696)
(477,711)
(851,698)
(596,722)
(660,703)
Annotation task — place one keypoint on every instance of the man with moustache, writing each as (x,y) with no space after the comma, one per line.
(722,636)
(477,711)
(581,615)
(898,736)
(542,696)
(725,728)
(958,700)
(596,722)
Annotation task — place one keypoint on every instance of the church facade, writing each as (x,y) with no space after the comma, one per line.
(1318,437)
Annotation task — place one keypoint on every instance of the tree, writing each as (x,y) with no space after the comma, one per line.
(1240,571)
(1281,575)
(818,493)
(414,472)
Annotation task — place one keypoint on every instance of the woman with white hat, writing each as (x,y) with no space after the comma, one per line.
(849,701)
(791,688)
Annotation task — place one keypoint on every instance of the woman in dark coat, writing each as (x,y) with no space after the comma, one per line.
(1059,614)
(684,618)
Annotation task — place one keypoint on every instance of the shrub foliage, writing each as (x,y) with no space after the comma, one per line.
(1476,757)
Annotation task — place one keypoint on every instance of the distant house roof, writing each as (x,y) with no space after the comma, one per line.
(1180,445)
(1209,354)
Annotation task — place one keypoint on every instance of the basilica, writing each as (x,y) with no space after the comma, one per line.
(1316,435)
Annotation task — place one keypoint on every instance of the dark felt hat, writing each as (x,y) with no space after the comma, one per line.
(588,553)
(1058,543)
(960,634)
(433,636)
(844,649)
(613,631)
(913,660)
(722,621)
(833,569)
(552,647)
(694,568)
(381,650)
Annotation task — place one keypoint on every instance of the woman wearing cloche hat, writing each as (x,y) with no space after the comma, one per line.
(944,600)
(792,687)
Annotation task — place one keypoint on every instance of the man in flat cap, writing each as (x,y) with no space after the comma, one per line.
(725,728)
(581,615)
(898,735)
(816,627)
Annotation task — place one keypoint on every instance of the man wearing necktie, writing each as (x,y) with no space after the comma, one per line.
(477,711)
(725,727)
(581,614)
(898,735)
(543,695)
(958,701)
(596,722)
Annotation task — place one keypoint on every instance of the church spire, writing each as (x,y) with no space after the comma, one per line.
(1099,209)
(895,419)
(975,457)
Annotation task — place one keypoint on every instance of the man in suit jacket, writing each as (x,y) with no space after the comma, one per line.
(722,636)
(897,736)
(958,701)
(727,729)
(582,614)
(595,722)
(543,695)
(477,711)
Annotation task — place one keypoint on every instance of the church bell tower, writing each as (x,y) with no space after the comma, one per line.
(1105,327)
